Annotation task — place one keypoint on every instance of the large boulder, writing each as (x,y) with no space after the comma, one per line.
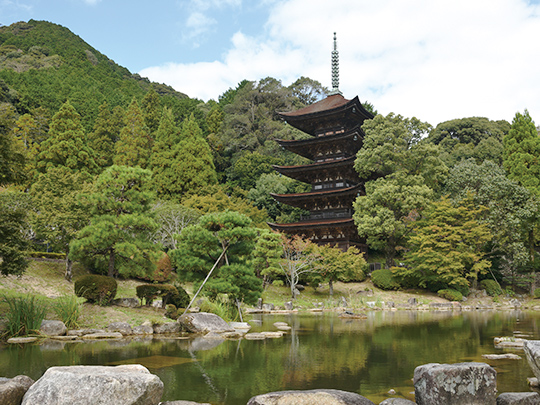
(123,327)
(397,401)
(52,328)
(120,385)
(183,403)
(145,328)
(518,398)
(319,397)
(12,390)
(532,351)
(455,384)
(204,322)
(166,328)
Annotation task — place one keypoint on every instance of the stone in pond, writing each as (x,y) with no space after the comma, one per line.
(311,397)
(455,384)
(204,322)
(123,327)
(121,385)
(52,328)
(397,401)
(12,390)
(532,351)
(518,398)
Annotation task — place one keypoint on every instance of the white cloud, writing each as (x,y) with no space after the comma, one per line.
(434,60)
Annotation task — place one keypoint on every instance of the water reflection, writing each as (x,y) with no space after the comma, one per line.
(367,356)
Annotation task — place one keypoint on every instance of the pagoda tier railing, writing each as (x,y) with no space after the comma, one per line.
(346,213)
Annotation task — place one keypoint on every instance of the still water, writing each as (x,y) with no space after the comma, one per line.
(368,356)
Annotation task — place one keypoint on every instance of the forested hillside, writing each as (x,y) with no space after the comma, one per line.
(103,166)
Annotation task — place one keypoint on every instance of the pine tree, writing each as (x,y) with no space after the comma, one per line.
(67,144)
(105,133)
(151,107)
(135,143)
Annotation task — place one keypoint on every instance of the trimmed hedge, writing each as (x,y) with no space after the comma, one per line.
(492,288)
(384,279)
(169,293)
(96,288)
(450,295)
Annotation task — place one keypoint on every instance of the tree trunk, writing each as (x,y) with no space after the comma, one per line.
(69,265)
(531,252)
(111,263)
(330,287)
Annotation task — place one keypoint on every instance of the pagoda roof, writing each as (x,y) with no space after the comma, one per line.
(307,199)
(322,223)
(305,173)
(306,147)
(305,119)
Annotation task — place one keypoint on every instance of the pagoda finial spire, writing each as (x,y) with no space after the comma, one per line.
(335,69)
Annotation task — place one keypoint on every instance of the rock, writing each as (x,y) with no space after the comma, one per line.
(343,302)
(533,382)
(390,304)
(242,327)
(300,287)
(267,307)
(319,397)
(412,301)
(365,293)
(120,385)
(255,336)
(519,398)
(259,303)
(123,327)
(288,306)
(127,302)
(441,306)
(19,340)
(169,327)
(231,335)
(145,329)
(12,390)
(112,335)
(508,342)
(455,384)
(82,332)
(64,338)
(204,322)
(510,356)
(52,328)
(183,403)
(273,334)
(532,351)
(397,401)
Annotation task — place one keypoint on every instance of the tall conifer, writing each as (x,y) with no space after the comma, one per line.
(135,143)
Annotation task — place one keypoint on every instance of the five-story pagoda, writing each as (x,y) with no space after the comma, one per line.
(334,124)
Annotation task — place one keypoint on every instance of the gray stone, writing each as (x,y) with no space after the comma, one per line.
(52,328)
(169,327)
(121,385)
(12,390)
(112,335)
(123,327)
(259,303)
(518,398)
(19,340)
(255,336)
(455,384)
(319,397)
(397,401)
(412,301)
(242,327)
(267,307)
(506,356)
(183,403)
(204,322)
(82,332)
(145,329)
(127,302)
(441,305)
(532,351)
(288,306)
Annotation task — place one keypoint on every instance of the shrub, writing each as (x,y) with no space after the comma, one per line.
(171,311)
(68,310)
(384,279)
(537,293)
(492,288)
(24,315)
(96,288)
(169,293)
(278,283)
(450,295)
(463,289)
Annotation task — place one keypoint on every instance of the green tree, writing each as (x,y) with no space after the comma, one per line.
(67,144)
(58,213)
(182,161)
(385,215)
(267,255)
(12,157)
(337,265)
(171,218)
(245,171)
(447,245)
(151,107)
(522,151)
(13,226)
(135,143)
(121,225)
(105,134)
(394,144)
(307,91)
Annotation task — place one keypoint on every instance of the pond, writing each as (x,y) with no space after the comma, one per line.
(369,356)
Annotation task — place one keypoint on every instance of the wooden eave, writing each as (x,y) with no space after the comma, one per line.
(323,223)
(332,108)
(306,173)
(304,200)
(307,147)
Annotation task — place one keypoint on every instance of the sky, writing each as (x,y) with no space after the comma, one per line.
(436,60)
